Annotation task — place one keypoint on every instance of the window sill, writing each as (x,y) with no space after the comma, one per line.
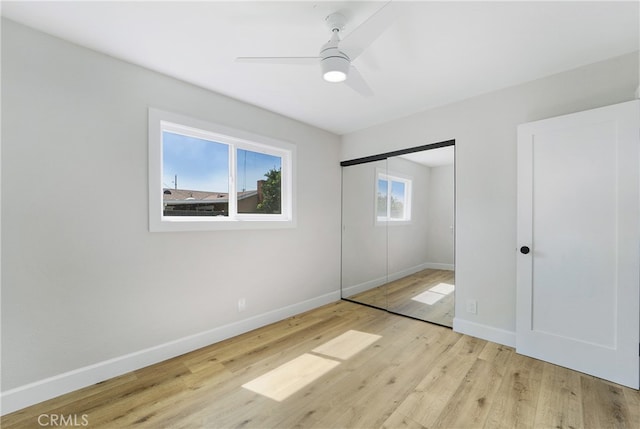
(213,224)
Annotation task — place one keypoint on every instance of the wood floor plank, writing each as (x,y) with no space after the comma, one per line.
(400,421)
(431,395)
(517,398)
(156,385)
(632,398)
(603,404)
(560,399)
(497,354)
(470,404)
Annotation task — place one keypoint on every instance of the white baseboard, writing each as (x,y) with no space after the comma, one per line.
(362,287)
(438,266)
(407,272)
(484,332)
(39,391)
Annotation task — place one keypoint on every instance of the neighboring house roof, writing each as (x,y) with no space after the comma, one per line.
(186,196)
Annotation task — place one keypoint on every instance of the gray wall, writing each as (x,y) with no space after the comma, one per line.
(484,128)
(83,279)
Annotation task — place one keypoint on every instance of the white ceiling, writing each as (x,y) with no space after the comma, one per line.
(435,52)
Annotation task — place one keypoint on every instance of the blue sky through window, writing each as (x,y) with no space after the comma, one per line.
(382,197)
(203,165)
(397,191)
(252,166)
(392,199)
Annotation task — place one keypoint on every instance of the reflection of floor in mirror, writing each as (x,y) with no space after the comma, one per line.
(426,295)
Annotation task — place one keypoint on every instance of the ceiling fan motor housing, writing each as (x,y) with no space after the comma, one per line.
(335,63)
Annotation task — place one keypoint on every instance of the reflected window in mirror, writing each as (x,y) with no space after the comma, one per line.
(393,198)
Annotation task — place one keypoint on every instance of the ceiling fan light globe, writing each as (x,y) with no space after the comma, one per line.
(334,76)
(335,69)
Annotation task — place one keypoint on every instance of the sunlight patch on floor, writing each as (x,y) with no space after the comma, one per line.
(434,294)
(428,297)
(285,380)
(280,383)
(443,288)
(347,344)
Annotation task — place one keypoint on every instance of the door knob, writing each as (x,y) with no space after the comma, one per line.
(524,250)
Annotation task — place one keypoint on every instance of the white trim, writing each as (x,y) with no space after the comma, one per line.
(42,390)
(406,272)
(363,287)
(439,266)
(488,333)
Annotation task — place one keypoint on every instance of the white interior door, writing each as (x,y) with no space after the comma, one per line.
(578,294)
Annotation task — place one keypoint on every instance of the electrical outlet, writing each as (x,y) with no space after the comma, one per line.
(242,305)
(472,306)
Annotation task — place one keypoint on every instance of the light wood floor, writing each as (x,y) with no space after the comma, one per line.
(396,296)
(415,375)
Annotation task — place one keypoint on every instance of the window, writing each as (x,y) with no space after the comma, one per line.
(203,176)
(393,198)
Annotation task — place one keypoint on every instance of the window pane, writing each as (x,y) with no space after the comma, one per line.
(259,187)
(195,176)
(397,200)
(382,196)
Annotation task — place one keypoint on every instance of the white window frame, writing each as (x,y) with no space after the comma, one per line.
(160,121)
(408,196)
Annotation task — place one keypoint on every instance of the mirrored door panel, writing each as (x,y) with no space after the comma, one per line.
(420,236)
(398,233)
(364,239)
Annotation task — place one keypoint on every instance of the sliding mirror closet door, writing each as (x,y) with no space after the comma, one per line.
(398,232)
(364,236)
(420,235)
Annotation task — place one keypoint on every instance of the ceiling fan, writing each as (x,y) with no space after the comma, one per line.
(336,56)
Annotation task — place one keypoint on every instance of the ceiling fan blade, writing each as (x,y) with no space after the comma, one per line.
(279,60)
(363,35)
(356,82)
